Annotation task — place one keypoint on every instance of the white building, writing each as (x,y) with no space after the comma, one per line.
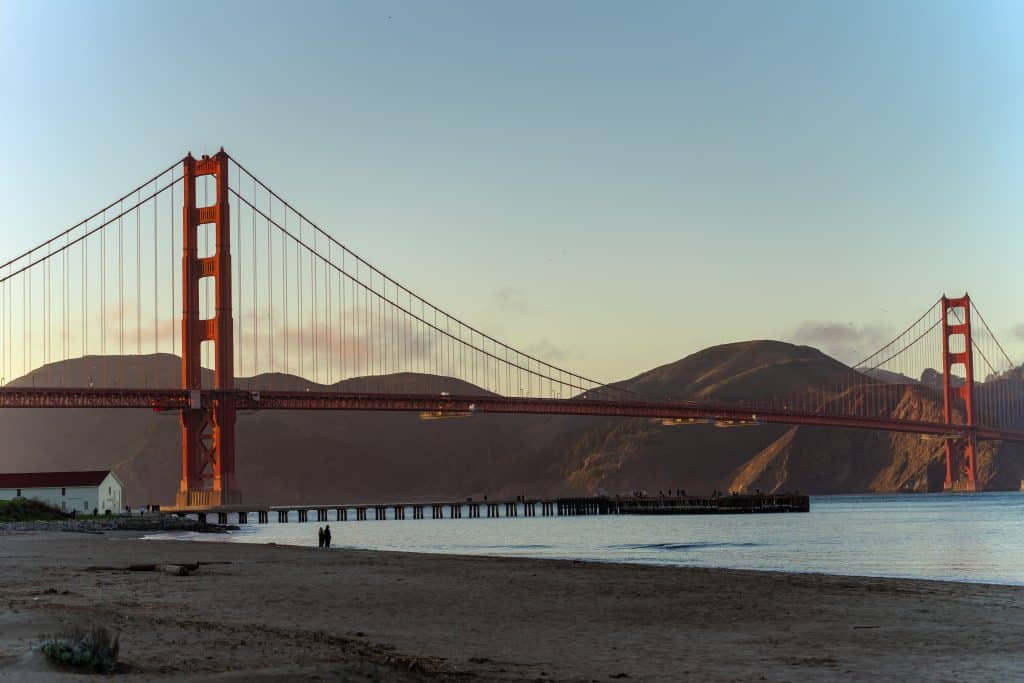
(82,492)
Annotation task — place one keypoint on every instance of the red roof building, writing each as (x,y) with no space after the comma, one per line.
(83,491)
(29,480)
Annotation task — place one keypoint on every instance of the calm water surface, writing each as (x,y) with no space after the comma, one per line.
(974,538)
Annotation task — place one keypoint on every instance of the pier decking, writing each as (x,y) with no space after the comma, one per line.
(492,509)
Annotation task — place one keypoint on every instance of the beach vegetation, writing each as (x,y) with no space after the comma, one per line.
(94,650)
(28,510)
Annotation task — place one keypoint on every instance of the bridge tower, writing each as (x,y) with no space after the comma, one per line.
(207,431)
(956,334)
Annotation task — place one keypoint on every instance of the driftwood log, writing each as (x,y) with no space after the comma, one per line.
(173,569)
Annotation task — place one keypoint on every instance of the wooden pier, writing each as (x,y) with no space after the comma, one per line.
(490,509)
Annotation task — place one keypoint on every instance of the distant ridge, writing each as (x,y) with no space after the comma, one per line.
(322,456)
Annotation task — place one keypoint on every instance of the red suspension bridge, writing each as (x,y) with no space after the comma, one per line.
(204,261)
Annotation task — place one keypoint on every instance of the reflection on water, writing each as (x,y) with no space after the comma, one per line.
(976,538)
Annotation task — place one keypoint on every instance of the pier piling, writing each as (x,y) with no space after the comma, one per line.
(560,507)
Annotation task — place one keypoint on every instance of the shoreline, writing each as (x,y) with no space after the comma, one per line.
(115,523)
(216,536)
(265,611)
(582,560)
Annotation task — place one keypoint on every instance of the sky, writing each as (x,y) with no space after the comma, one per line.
(612,186)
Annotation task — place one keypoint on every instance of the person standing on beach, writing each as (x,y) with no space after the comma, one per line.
(320,536)
(327,536)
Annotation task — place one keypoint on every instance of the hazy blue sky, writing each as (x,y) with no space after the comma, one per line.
(612,185)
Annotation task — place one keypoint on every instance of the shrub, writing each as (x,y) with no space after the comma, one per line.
(93,650)
(24,509)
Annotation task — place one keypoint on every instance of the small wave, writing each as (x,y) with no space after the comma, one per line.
(681,546)
(505,546)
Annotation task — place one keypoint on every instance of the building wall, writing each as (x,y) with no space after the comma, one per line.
(111,495)
(82,499)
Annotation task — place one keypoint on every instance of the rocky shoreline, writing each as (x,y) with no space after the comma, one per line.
(99,525)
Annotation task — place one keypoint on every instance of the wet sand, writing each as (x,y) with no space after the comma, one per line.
(284,613)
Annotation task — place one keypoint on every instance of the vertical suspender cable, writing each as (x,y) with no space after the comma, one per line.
(156,278)
(24,323)
(256,367)
(64,303)
(103,288)
(329,312)
(313,311)
(47,306)
(347,365)
(138,276)
(284,294)
(85,295)
(270,288)
(120,285)
(238,289)
(174,317)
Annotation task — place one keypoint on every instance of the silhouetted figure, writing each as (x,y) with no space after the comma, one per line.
(327,536)
(320,537)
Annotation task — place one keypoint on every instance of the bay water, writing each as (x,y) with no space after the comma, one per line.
(958,537)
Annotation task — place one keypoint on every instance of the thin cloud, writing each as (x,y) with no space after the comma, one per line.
(510,299)
(548,352)
(844,341)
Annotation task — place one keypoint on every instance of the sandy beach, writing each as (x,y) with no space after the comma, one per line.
(255,612)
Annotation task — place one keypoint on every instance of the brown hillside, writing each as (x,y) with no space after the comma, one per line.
(639,454)
(823,460)
(348,456)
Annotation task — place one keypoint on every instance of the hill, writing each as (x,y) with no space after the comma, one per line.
(323,457)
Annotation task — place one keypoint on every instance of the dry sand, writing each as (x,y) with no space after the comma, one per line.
(283,613)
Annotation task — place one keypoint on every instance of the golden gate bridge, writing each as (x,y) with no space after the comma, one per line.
(206,262)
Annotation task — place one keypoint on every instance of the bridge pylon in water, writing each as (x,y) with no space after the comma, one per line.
(207,431)
(957,349)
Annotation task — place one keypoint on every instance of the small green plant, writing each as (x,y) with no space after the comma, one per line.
(24,510)
(93,650)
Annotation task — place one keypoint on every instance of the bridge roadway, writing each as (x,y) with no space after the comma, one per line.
(492,509)
(444,405)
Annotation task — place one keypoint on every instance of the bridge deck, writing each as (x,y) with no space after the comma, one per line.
(177,399)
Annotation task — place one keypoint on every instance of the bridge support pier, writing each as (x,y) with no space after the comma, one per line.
(957,352)
(207,431)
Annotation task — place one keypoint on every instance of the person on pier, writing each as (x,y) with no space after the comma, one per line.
(320,537)
(327,536)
